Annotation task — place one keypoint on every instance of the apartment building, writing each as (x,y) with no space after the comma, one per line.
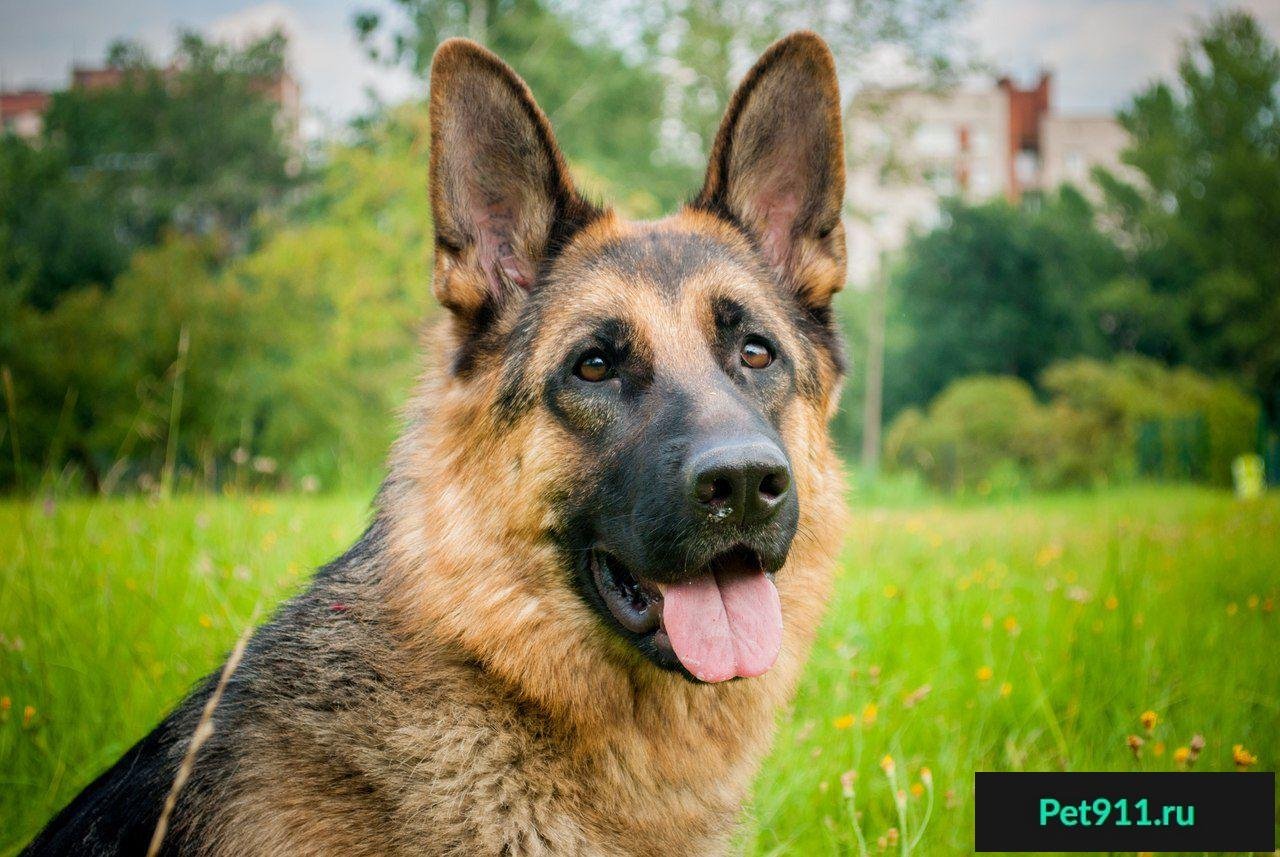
(912,148)
(22,112)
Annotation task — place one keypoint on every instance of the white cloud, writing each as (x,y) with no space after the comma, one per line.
(332,69)
(1101,51)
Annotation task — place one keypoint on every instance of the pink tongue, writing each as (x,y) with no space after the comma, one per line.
(724,624)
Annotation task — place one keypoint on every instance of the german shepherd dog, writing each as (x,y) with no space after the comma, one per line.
(606,537)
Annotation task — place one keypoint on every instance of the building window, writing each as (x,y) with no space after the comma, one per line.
(941,180)
(1075,166)
(981,181)
(937,140)
(1026,167)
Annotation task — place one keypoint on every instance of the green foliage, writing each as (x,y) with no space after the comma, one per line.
(978,428)
(988,433)
(1203,217)
(193,146)
(636,94)
(1111,404)
(702,44)
(1119,601)
(298,352)
(54,233)
(996,290)
(603,106)
(852,309)
(93,377)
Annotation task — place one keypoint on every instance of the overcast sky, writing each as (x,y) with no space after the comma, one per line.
(1099,50)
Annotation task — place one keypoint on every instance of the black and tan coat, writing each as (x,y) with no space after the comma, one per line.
(453,684)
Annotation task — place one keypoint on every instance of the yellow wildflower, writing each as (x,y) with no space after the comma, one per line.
(1111,603)
(1181,755)
(887,764)
(1006,689)
(1148,720)
(29,714)
(1242,757)
(869,713)
(1047,554)
(984,673)
(1010,624)
(917,789)
(843,722)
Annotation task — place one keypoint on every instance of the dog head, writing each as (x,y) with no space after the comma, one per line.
(640,408)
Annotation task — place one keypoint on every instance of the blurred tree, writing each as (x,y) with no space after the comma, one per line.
(604,106)
(1203,219)
(635,89)
(299,351)
(710,44)
(196,143)
(55,234)
(997,290)
(194,146)
(991,433)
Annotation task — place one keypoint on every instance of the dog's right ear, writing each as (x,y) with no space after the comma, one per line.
(777,166)
(501,196)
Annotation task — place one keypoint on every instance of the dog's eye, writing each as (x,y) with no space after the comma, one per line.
(593,366)
(756,353)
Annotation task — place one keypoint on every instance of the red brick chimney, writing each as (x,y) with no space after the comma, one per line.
(1026,106)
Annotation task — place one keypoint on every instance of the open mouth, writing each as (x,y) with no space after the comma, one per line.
(722,622)
(636,605)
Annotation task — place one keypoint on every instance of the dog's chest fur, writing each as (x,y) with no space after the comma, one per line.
(330,718)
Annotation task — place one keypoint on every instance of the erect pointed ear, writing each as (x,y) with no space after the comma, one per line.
(501,196)
(777,165)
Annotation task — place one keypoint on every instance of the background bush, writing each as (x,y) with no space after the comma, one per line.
(990,433)
(297,353)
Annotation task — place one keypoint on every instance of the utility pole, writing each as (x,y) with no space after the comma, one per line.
(873,402)
(478,21)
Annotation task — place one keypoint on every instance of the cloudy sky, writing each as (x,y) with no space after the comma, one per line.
(1100,50)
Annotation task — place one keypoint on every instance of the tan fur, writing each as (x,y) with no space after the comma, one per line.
(524,726)
(443,689)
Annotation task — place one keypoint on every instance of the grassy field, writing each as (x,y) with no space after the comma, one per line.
(1027,635)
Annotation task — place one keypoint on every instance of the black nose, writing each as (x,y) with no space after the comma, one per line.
(746,482)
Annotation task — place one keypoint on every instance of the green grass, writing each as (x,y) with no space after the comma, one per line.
(1025,635)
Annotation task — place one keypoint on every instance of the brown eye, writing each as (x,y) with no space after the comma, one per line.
(593,366)
(756,353)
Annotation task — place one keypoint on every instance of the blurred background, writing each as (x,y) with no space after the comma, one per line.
(1062,225)
(1062,314)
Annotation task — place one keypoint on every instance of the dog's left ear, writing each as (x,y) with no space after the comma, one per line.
(501,195)
(777,166)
